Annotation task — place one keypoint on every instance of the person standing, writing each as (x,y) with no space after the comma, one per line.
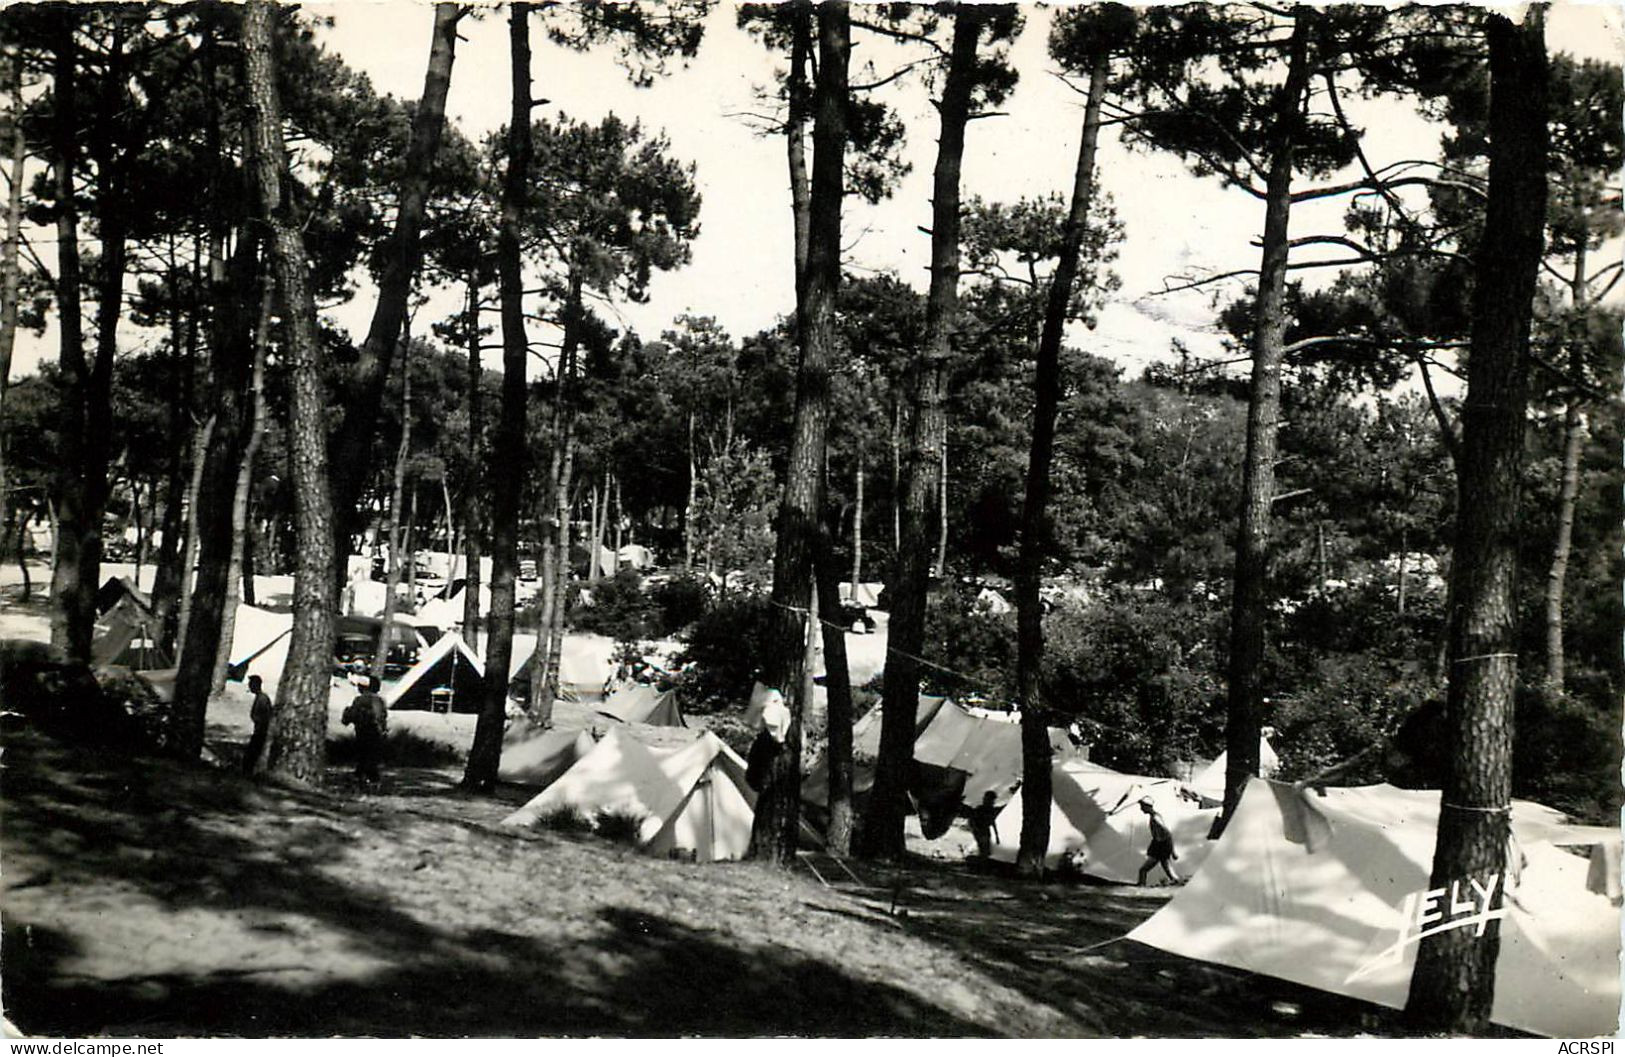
(1161,852)
(370,717)
(260,714)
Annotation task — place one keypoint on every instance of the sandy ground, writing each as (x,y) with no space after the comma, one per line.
(153,898)
(146,897)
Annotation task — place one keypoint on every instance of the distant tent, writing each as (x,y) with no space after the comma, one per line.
(642,703)
(1313,888)
(990,601)
(539,755)
(127,632)
(441,612)
(448,664)
(585,666)
(635,556)
(115,590)
(866,595)
(691,801)
(1095,812)
(1209,781)
(259,643)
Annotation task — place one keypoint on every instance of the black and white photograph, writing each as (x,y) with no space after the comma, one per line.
(675,518)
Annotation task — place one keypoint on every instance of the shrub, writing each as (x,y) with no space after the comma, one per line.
(721,656)
(402,748)
(679,602)
(619,608)
(622,827)
(565,819)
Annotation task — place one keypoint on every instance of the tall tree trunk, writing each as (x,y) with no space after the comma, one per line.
(798,96)
(237,576)
(561,576)
(1453,986)
(857,531)
(220,450)
(888,802)
(202,435)
(1035,747)
(166,581)
(299,728)
(10,273)
(471,493)
(620,519)
(1249,603)
(896,478)
(72,603)
(776,826)
(838,692)
(940,565)
(1574,430)
(352,446)
(693,498)
(410,546)
(397,489)
(486,753)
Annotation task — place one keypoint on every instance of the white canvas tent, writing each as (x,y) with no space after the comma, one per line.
(259,644)
(691,801)
(635,556)
(865,749)
(866,595)
(1095,812)
(1209,781)
(448,663)
(642,703)
(585,664)
(1310,888)
(538,756)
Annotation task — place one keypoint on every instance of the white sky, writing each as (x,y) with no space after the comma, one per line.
(741,271)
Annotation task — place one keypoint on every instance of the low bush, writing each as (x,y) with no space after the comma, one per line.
(402,748)
(622,827)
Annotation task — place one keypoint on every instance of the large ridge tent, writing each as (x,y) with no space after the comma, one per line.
(259,643)
(1314,888)
(539,755)
(1095,813)
(865,750)
(691,800)
(448,664)
(642,703)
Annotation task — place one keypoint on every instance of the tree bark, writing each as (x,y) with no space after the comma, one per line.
(72,604)
(486,753)
(392,579)
(888,801)
(219,451)
(939,567)
(298,744)
(1047,384)
(352,446)
(1574,430)
(838,693)
(775,830)
(237,576)
(10,273)
(202,434)
(471,493)
(857,531)
(1453,986)
(166,580)
(1249,601)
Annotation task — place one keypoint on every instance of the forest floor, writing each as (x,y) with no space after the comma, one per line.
(144,897)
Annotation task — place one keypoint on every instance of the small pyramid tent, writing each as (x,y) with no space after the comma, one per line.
(1314,888)
(126,633)
(1209,781)
(689,801)
(1095,812)
(448,664)
(642,703)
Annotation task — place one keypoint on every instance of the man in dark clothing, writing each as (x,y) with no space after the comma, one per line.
(370,717)
(984,824)
(1161,852)
(260,713)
